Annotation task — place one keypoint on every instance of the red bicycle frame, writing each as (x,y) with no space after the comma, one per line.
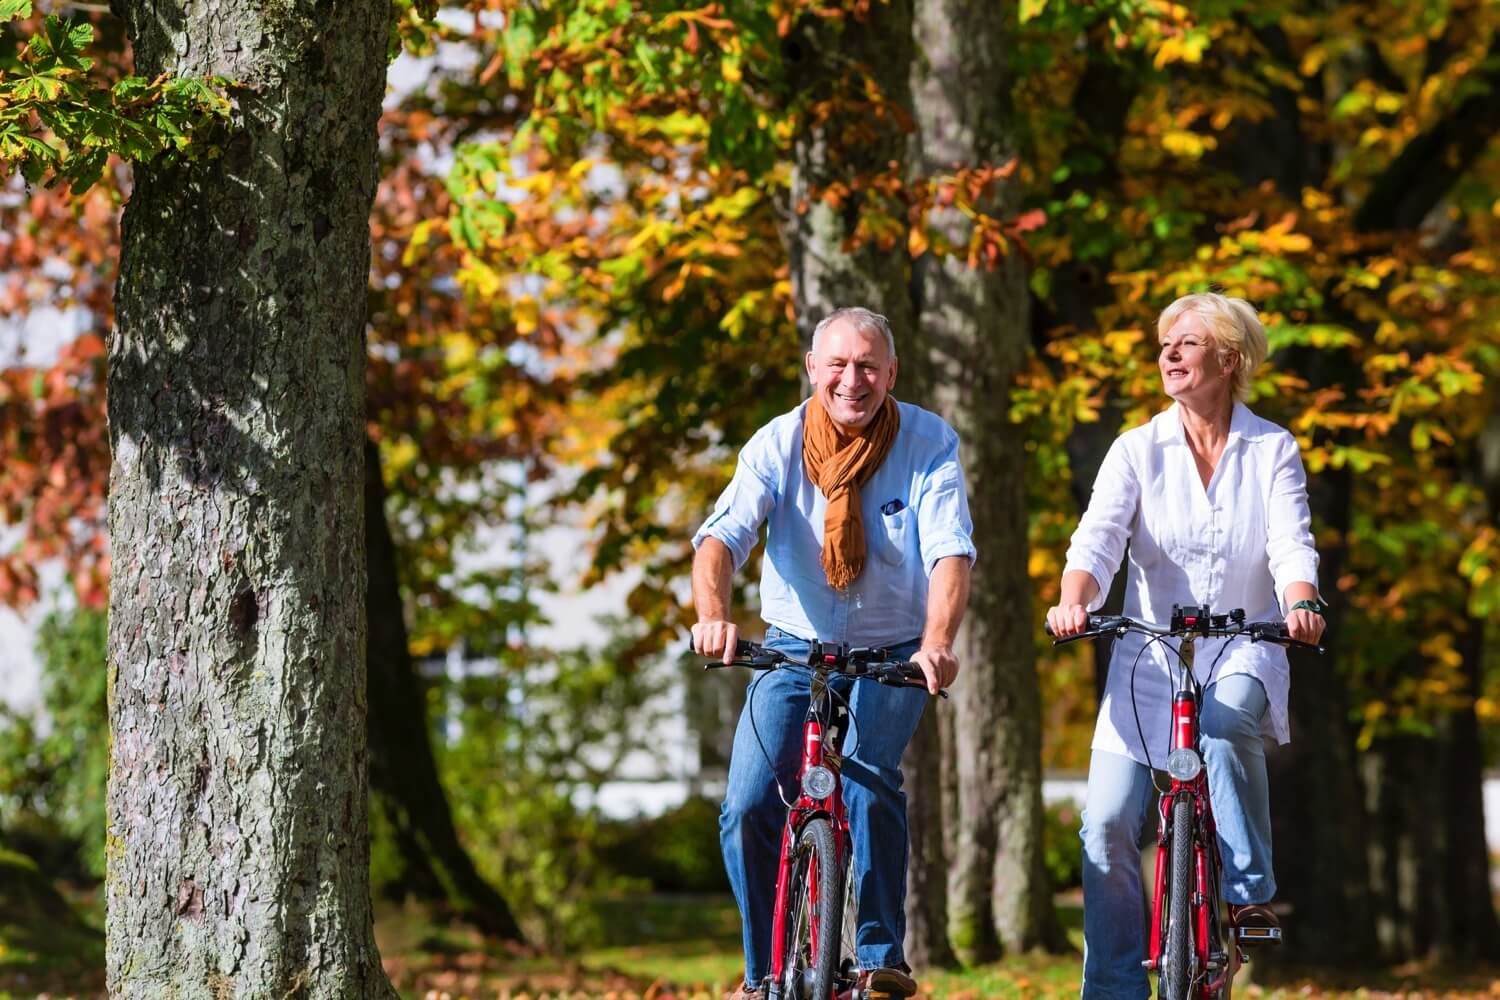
(1205,898)
(816,832)
(821,747)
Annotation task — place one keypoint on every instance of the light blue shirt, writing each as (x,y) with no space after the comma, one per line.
(920,483)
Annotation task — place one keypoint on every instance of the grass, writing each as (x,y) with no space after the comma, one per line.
(653,948)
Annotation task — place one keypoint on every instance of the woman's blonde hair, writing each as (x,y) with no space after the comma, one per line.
(1234,326)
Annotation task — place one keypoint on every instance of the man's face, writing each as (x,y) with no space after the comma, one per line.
(851,371)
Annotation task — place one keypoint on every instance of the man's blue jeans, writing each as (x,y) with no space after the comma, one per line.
(1114,813)
(883,721)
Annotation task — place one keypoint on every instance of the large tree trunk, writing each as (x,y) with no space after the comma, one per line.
(927,871)
(974,334)
(238,847)
(833,263)
(405,791)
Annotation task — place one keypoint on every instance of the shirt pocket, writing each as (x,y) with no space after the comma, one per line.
(890,535)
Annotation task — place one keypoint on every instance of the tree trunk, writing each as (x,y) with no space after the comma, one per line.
(1318,829)
(1467,929)
(927,872)
(833,262)
(975,331)
(405,791)
(238,846)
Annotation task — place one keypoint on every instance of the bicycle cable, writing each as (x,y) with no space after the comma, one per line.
(1200,689)
(750,711)
(1135,710)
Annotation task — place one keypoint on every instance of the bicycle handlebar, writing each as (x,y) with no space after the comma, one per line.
(869,664)
(1207,626)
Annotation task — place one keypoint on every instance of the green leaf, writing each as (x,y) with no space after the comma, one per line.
(14,10)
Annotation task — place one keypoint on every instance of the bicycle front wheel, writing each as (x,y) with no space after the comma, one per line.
(815,901)
(1175,976)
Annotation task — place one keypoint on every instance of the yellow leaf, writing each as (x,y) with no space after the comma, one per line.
(1183,142)
(1123,342)
(916,241)
(1031,9)
(526,313)
(459,350)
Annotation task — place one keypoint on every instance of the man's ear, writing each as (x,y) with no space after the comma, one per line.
(811,368)
(891,383)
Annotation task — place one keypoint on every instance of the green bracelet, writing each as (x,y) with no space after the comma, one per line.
(1305,605)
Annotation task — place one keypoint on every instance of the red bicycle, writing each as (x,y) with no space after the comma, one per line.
(812,940)
(1195,945)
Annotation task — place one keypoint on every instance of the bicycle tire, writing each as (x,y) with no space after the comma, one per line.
(808,973)
(1174,978)
(1219,933)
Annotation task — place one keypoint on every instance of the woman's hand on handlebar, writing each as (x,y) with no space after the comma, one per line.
(1067,619)
(716,638)
(1305,626)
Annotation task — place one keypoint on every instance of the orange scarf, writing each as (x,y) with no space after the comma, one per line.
(839,463)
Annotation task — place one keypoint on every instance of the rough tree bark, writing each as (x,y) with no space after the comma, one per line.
(405,790)
(238,847)
(828,63)
(927,944)
(974,332)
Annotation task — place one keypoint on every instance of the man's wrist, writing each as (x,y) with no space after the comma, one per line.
(1306,604)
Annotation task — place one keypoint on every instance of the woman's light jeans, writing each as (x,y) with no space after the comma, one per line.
(1119,797)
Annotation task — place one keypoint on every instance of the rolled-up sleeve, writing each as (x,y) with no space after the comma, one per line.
(1289,542)
(1098,544)
(943,524)
(745,502)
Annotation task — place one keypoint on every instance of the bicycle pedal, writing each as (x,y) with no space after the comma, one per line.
(1258,935)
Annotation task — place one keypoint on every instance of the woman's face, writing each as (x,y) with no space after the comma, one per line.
(1191,371)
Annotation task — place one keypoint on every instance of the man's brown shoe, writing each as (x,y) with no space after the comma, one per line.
(745,993)
(886,984)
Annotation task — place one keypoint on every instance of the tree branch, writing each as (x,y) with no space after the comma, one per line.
(1427,168)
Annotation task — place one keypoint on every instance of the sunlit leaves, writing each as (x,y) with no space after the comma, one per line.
(58,125)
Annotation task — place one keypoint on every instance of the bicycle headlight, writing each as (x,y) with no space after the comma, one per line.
(818,783)
(1184,764)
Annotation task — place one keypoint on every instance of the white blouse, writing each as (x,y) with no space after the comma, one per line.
(1240,543)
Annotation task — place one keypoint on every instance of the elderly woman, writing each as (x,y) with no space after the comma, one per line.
(1212,501)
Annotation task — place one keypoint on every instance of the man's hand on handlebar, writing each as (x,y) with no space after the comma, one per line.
(1067,619)
(939,666)
(716,638)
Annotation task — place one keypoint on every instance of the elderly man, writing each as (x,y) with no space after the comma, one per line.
(869,544)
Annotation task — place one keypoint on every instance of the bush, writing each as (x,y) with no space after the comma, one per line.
(53,786)
(677,851)
(1064,851)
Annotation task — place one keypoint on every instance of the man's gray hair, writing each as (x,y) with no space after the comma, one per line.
(864,320)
